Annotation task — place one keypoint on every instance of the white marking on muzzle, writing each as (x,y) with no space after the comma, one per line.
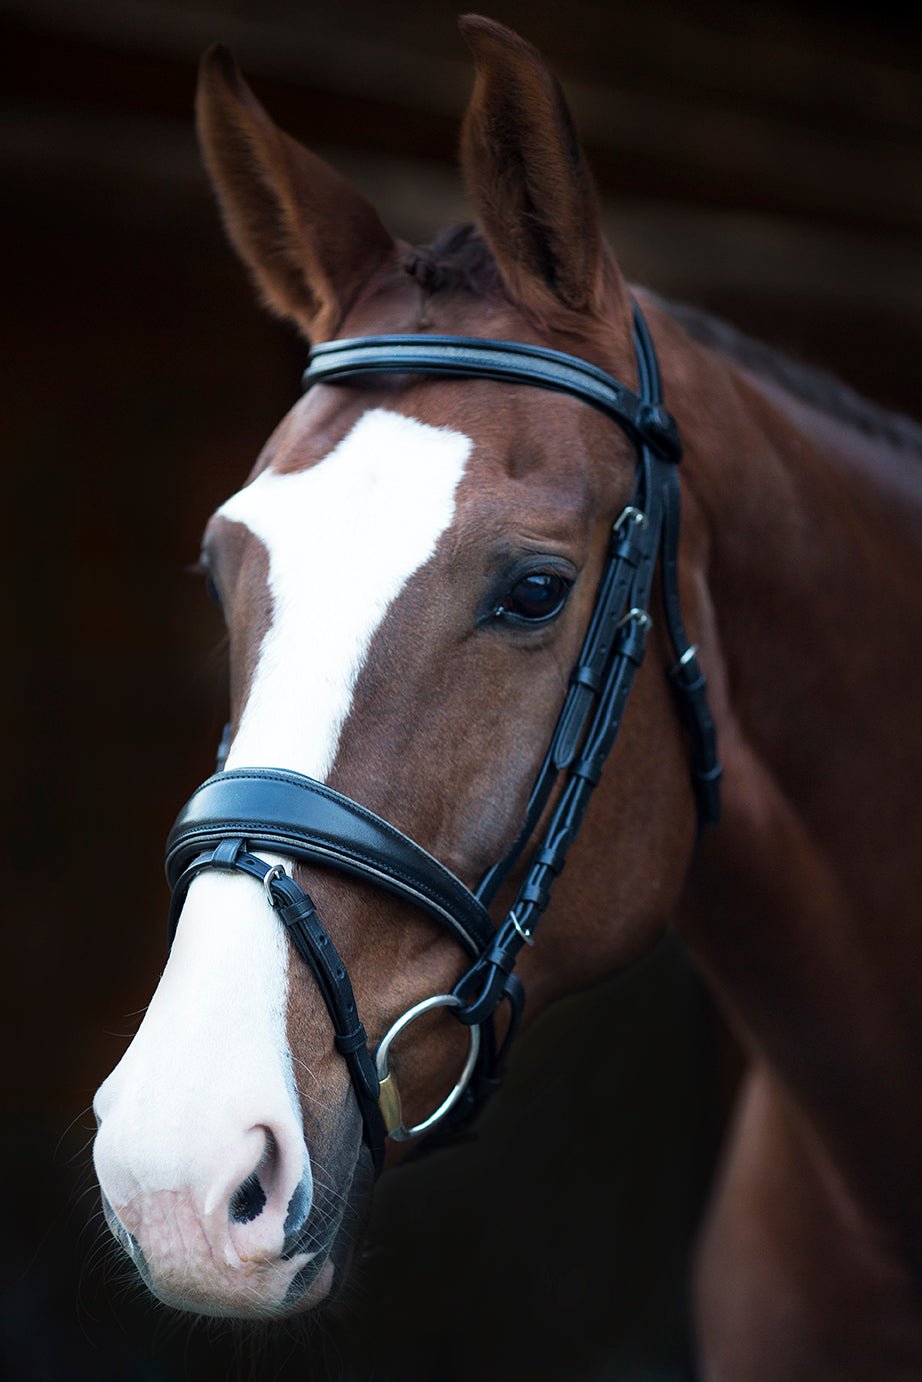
(210,1066)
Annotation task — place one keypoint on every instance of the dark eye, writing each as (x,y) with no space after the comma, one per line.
(535,597)
(212,588)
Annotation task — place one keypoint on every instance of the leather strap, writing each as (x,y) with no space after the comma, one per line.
(484,986)
(601,682)
(299,916)
(646,422)
(689,681)
(296,816)
(630,550)
(685,674)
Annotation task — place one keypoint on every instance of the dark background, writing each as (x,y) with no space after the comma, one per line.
(761,160)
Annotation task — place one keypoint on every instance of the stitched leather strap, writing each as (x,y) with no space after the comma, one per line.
(296,816)
(645,421)
(612,652)
(485,984)
(686,674)
(299,916)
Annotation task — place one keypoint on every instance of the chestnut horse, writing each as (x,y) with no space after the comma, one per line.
(364,571)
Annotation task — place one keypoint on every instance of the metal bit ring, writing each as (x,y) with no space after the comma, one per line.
(401,1133)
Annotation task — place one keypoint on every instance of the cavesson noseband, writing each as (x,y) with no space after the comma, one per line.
(235,814)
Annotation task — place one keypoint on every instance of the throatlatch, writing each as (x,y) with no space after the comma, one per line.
(237,812)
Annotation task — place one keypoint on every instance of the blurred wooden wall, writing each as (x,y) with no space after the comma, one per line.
(762,160)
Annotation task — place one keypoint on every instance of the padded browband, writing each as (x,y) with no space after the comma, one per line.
(294,815)
(646,422)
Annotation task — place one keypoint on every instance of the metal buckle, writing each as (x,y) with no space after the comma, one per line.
(639,616)
(276,871)
(527,937)
(389,1099)
(631,514)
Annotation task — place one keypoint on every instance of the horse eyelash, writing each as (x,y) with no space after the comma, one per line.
(202,567)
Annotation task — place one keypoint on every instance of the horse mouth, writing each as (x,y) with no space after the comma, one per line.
(309,1272)
(330,1239)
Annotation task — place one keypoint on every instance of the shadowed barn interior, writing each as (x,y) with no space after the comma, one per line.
(759,160)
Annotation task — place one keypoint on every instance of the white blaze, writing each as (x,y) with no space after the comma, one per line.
(210,1063)
(343,538)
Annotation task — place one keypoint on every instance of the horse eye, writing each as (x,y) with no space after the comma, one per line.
(537,597)
(211,586)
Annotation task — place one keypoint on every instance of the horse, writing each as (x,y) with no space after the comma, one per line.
(411,578)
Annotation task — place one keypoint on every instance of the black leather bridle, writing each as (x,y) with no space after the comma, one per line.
(236,813)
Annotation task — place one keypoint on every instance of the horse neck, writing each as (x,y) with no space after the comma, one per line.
(802,906)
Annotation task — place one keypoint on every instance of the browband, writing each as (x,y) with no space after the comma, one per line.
(647,423)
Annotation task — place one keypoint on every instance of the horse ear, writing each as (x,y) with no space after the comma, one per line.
(308,237)
(527,176)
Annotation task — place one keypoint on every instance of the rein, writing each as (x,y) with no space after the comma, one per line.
(247,809)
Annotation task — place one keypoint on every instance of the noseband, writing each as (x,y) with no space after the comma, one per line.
(236,813)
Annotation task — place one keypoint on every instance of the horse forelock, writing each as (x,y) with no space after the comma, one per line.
(458,258)
(459,268)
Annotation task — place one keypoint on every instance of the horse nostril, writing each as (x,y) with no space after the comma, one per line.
(248,1201)
(299,1207)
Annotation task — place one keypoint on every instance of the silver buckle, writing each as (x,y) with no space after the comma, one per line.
(527,937)
(276,871)
(639,616)
(631,514)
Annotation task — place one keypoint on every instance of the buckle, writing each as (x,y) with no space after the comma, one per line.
(630,514)
(635,616)
(276,871)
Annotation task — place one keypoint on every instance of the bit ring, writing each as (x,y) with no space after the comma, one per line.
(400,1132)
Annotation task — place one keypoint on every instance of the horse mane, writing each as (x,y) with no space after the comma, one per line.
(809,383)
(459,258)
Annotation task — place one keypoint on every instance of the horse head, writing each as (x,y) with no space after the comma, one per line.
(407,579)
